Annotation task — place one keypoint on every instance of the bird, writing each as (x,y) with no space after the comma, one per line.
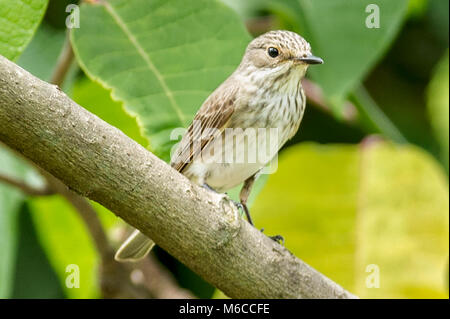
(263,93)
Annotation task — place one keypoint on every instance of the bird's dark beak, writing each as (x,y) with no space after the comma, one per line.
(311,59)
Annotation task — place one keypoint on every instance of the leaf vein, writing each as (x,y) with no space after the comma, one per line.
(147,60)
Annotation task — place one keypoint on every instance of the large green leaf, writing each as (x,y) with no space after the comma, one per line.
(66,241)
(19,20)
(41,55)
(34,276)
(438,106)
(344,208)
(11,200)
(161,58)
(97,100)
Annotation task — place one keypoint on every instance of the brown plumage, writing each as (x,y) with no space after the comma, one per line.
(263,93)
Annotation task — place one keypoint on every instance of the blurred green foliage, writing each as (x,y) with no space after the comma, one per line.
(145,66)
(10,203)
(344,207)
(98,100)
(438,106)
(346,63)
(33,275)
(56,221)
(19,20)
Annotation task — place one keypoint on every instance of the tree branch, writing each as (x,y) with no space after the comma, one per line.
(115,278)
(200,228)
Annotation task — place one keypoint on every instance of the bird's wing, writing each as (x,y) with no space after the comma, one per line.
(213,116)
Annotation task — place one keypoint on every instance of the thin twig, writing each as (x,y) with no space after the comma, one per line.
(65,60)
(315,96)
(259,25)
(373,116)
(25,188)
(159,281)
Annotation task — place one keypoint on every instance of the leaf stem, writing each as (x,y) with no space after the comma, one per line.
(373,118)
(65,60)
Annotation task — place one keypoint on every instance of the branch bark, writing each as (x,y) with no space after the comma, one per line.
(200,228)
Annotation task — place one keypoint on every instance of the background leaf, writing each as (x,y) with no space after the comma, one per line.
(97,100)
(33,275)
(438,107)
(342,208)
(338,33)
(41,54)
(11,201)
(161,58)
(65,240)
(19,20)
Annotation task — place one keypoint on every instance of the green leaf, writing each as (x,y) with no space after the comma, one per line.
(19,20)
(160,58)
(34,277)
(342,208)
(373,118)
(98,100)
(438,107)
(337,32)
(65,240)
(11,201)
(40,56)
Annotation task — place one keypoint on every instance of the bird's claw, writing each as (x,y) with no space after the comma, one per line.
(278,238)
(239,206)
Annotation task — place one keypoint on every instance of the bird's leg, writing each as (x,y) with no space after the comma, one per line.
(245,193)
(243,197)
(278,238)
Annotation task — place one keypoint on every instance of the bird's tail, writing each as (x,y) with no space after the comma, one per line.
(136,247)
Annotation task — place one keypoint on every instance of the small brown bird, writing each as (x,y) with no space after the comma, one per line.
(220,147)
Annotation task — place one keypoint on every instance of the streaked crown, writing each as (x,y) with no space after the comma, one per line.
(279,50)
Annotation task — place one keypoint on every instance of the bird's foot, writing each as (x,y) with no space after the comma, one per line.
(239,206)
(278,238)
(243,209)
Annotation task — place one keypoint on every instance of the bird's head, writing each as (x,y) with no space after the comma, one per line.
(278,53)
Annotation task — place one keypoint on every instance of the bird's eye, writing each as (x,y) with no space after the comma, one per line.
(273,52)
